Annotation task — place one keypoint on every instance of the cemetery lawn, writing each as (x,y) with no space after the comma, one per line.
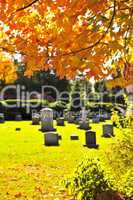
(29,170)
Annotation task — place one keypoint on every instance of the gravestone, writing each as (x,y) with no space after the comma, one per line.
(35,119)
(2,118)
(102,118)
(60,121)
(91,139)
(84,122)
(18,117)
(84,125)
(65,115)
(77,120)
(107,116)
(108,130)
(18,129)
(74,137)
(90,115)
(71,119)
(95,119)
(51,139)
(47,120)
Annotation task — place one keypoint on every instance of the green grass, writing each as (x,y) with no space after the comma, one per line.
(29,170)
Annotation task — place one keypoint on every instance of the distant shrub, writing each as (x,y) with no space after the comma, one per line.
(58,105)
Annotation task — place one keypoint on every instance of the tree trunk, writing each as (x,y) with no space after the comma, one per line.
(129,111)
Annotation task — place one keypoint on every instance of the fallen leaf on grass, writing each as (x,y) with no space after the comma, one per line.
(18,195)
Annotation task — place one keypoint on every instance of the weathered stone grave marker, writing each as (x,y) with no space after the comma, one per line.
(47,120)
(35,119)
(108,130)
(71,118)
(2,118)
(84,122)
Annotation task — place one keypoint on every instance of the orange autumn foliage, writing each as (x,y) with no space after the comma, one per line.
(7,69)
(69,36)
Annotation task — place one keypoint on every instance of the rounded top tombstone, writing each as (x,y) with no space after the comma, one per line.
(47,113)
(47,119)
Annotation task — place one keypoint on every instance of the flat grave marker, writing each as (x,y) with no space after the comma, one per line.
(74,137)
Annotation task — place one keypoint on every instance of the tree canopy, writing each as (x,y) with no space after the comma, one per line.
(69,36)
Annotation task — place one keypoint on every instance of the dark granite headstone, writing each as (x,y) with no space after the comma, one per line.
(51,139)
(91,139)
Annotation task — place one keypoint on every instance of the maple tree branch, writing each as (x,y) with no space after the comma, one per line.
(10,51)
(102,37)
(27,6)
(21,9)
(7,50)
(126,8)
